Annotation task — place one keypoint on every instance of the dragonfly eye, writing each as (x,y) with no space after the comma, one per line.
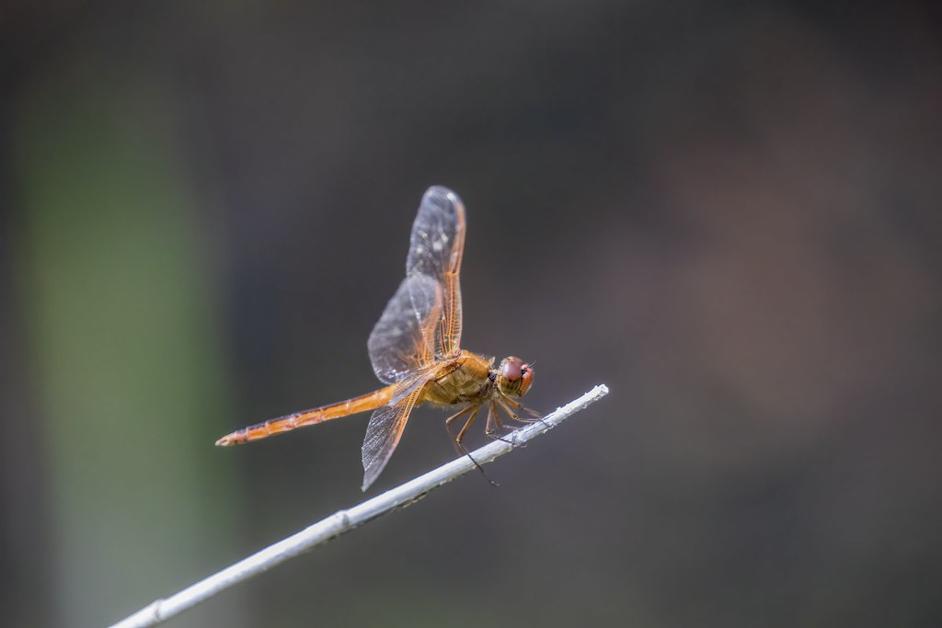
(514,376)
(511,368)
(526,378)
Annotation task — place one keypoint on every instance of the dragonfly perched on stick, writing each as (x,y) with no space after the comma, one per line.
(415,349)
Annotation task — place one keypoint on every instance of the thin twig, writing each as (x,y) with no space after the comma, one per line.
(346,520)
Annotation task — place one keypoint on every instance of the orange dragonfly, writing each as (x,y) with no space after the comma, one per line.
(415,348)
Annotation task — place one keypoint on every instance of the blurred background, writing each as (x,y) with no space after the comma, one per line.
(727,212)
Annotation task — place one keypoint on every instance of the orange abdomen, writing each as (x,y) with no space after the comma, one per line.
(355,405)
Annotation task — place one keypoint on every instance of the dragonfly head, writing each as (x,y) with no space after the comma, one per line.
(514,376)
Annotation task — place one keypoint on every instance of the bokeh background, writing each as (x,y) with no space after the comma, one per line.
(728,212)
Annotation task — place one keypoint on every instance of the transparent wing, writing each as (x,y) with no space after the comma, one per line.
(403,340)
(435,250)
(386,427)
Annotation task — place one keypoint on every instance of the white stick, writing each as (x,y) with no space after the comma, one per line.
(346,520)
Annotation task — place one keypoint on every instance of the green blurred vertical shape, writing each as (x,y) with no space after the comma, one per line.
(124,346)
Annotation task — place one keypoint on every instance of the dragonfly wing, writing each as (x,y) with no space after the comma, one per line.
(403,340)
(435,249)
(386,427)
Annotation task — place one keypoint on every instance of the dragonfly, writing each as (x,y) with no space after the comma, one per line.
(415,350)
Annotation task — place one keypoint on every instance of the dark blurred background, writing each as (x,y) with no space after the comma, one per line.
(727,212)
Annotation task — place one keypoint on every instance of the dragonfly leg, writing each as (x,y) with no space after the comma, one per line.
(502,402)
(493,426)
(474,410)
(455,416)
(510,405)
(456,440)
(467,425)
(536,415)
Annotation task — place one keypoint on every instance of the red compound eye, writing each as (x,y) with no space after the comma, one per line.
(512,369)
(527,374)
